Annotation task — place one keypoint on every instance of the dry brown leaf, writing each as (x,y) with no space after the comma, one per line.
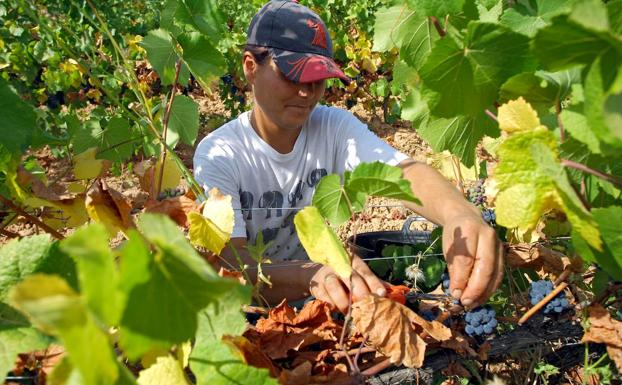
(388,327)
(303,375)
(252,354)
(300,375)
(176,208)
(284,330)
(605,330)
(540,257)
(236,275)
(459,344)
(108,206)
(53,192)
(44,360)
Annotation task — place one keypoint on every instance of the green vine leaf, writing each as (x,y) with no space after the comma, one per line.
(541,89)
(174,287)
(529,17)
(530,178)
(410,31)
(30,255)
(18,122)
(603,87)
(162,54)
(203,59)
(184,119)
(610,258)
(463,77)
(16,336)
(57,309)
(438,8)
(459,135)
(212,361)
(586,36)
(331,199)
(97,272)
(379,180)
(337,202)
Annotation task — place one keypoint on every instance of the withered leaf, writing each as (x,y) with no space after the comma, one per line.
(251,353)
(284,330)
(108,206)
(541,257)
(606,330)
(176,208)
(388,327)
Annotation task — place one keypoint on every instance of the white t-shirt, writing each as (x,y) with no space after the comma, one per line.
(267,187)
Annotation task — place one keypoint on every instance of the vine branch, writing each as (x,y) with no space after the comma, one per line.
(439,28)
(581,167)
(558,112)
(31,218)
(165,120)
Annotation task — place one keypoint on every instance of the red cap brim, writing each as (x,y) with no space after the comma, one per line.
(306,67)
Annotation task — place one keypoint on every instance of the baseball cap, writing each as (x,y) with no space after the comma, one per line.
(297,40)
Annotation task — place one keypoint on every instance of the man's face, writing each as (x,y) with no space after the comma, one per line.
(287,104)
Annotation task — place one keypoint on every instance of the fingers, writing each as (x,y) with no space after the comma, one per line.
(329,287)
(365,281)
(487,268)
(460,255)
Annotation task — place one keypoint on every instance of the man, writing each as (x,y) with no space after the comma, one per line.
(271,158)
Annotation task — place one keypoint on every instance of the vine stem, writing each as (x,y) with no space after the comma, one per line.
(491,115)
(167,116)
(31,218)
(382,365)
(581,167)
(439,28)
(558,112)
(542,303)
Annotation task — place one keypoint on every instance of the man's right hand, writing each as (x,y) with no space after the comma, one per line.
(327,286)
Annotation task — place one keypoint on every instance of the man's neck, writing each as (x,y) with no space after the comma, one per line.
(281,139)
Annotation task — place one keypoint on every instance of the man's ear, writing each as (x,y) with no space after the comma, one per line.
(249,65)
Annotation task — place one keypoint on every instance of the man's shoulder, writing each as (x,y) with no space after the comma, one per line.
(333,119)
(224,136)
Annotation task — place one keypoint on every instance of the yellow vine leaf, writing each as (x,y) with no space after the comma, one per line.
(531,179)
(85,166)
(320,242)
(165,371)
(517,115)
(213,229)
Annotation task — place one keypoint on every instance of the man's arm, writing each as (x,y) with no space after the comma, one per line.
(472,249)
(290,279)
(473,252)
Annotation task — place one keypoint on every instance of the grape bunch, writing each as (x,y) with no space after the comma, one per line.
(171,193)
(542,288)
(476,195)
(481,320)
(489,216)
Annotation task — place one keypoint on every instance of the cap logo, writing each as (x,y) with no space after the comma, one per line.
(319,39)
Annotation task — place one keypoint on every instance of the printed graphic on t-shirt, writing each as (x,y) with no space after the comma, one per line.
(275,206)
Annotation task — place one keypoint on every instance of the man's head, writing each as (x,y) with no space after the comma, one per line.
(296,39)
(286,60)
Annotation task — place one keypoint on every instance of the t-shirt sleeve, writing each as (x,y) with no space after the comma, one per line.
(357,144)
(214,166)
